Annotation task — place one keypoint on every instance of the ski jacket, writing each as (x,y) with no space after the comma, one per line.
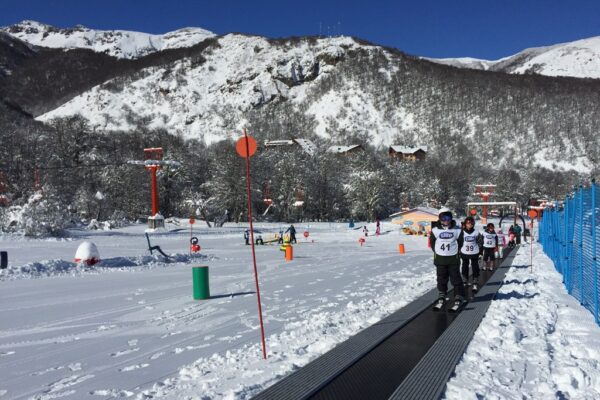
(445,243)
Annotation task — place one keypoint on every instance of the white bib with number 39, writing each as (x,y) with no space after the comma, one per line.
(470,246)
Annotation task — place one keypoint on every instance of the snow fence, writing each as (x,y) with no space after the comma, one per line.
(568,233)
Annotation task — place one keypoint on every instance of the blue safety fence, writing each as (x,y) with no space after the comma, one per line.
(568,235)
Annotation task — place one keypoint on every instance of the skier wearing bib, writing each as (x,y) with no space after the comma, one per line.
(446,239)
(490,243)
(469,252)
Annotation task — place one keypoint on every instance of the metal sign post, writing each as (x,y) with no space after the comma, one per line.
(246,147)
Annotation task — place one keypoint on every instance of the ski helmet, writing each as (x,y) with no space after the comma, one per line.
(471,220)
(445,215)
(490,225)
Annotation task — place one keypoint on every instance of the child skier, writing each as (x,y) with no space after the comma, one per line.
(511,237)
(469,252)
(490,244)
(446,239)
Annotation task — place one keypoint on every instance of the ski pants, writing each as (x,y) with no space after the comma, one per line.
(453,272)
(474,261)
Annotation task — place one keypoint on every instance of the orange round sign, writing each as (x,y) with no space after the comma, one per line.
(532,214)
(243,149)
(473,212)
(192,221)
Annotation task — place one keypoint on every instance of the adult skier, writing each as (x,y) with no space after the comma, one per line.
(469,252)
(490,244)
(292,232)
(446,239)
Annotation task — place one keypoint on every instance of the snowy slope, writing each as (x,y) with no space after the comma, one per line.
(122,44)
(578,59)
(240,73)
(464,62)
(125,329)
(130,328)
(535,342)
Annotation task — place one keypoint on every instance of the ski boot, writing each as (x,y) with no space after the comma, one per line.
(459,303)
(440,302)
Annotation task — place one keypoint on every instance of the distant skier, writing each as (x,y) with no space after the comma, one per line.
(518,233)
(247,237)
(259,239)
(378,227)
(469,252)
(292,232)
(511,237)
(446,239)
(365,231)
(490,245)
(280,238)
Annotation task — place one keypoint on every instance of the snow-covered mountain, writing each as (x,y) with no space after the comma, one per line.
(121,44)
(340,89)
(335,88)
(579,59)
(464,62)
(241,73)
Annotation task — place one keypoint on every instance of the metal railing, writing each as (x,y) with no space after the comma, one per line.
(569,235)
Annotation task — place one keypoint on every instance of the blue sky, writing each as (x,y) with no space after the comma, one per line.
(433,28)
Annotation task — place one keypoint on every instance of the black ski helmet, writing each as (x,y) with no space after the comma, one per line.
(470,219)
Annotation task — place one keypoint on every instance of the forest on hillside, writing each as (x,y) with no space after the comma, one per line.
(83,175)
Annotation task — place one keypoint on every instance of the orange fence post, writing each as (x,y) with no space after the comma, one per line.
(401,248)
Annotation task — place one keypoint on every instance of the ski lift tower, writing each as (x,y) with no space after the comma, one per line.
(153,162)
(484,191)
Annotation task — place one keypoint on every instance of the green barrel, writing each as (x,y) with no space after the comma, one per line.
(200,277)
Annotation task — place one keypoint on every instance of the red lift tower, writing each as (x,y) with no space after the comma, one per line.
(484,191)
(153,162)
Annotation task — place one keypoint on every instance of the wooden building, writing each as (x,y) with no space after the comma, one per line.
(398,153)
(418,219)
